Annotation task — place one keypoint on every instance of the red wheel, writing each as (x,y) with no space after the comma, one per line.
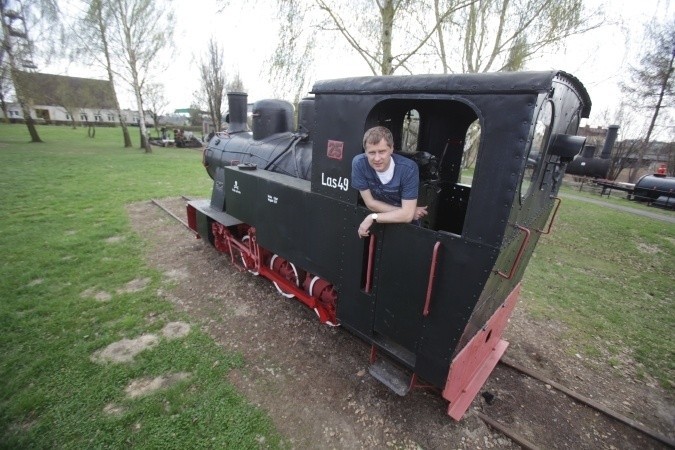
(220,234)
(247,261)
(287,270)
(327,296)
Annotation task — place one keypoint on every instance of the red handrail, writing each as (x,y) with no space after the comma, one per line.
(555,212)
(516,262)
(371,257)
(432,275)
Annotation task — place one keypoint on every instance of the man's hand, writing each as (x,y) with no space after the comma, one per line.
(364,228)
(420,211)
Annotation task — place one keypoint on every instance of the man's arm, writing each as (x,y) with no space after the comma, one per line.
(404,214)
(375,205)
(380,207)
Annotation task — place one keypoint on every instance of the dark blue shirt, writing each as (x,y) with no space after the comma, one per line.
(404,185)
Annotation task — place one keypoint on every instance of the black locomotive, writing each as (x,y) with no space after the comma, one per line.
(432,299)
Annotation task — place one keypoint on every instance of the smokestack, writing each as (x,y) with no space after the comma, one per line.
(306,116)
(612,132)
(237,102)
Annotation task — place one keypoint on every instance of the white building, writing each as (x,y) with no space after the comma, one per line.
(66,100)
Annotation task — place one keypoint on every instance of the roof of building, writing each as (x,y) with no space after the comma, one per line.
(59,90)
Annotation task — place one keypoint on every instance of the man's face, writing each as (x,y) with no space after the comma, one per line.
(379,155)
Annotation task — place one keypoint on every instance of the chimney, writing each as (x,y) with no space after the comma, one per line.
(237,102)
(612,132)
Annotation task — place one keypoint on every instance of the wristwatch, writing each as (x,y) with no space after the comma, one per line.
(374,217)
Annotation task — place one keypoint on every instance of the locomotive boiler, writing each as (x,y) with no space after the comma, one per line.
(431,299)
(586,164)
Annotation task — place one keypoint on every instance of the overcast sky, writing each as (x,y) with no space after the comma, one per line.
(598,58)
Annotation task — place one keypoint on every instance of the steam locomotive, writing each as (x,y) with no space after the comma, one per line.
(432,299)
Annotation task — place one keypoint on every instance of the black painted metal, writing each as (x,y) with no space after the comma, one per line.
(651,187)
(304,209)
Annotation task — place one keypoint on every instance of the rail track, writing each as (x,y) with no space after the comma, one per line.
(659,440)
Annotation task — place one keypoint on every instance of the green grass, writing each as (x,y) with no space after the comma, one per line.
(61,200)
(608,275)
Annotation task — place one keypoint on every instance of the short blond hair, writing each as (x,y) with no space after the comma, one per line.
(376,134)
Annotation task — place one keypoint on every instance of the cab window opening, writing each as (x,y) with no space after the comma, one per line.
(443,138)
(534,160)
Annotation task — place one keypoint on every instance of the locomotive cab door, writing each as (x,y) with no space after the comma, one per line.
(438,134)
(401,288)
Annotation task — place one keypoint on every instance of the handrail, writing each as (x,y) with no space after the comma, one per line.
(555,213)
(371,257)
(516,262)
(432,275)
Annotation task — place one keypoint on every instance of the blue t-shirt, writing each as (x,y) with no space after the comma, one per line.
(404,185)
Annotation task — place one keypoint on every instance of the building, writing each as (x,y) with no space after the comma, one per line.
(58,99)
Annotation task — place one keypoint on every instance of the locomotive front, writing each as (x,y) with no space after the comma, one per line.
(431,300)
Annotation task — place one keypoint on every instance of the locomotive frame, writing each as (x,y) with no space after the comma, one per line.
(431,300)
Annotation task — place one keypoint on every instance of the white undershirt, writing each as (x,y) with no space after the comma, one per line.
(386,176)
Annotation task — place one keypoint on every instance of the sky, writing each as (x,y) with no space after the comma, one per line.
(598,58)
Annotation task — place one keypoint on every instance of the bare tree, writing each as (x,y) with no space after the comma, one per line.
(19,20)
(651,86)
(652,81)
(624,156)
(213,82)
(236,84)
(291,62)
(500,35)
(92,40)
(156,101)
(370,27)
(139,30)
(394,36)
(195,114)
(5,82)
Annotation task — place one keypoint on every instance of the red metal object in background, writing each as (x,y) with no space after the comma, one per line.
(474,363)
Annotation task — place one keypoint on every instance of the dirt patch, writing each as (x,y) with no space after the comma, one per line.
(145,386)
(135,285)
(101,296)
(647,248)
(314,383)
(125,350)
(113,409)
(114,239)
(175,330)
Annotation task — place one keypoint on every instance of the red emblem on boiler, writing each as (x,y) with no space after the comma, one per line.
(334,150)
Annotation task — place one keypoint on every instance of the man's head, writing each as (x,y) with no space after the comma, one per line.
(378,143)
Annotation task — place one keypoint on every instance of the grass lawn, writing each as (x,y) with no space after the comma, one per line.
(62,202)
(608,275)
(64,231)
